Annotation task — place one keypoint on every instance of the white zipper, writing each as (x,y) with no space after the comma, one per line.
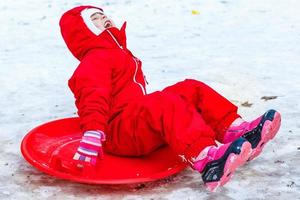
(113,37)
(136,65)
(134,80)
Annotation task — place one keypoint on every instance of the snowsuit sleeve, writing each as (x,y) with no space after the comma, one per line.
(91,86)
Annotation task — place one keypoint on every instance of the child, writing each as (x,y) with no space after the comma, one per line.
(115,110)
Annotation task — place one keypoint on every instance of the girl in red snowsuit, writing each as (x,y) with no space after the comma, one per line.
(115,110)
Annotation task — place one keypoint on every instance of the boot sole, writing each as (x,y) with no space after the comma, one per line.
(268,132)
(231,163)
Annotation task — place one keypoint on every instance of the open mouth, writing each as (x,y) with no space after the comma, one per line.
(107,24)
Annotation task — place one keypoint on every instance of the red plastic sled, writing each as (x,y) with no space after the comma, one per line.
(50,148)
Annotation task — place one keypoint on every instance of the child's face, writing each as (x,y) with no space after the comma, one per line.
(101,21)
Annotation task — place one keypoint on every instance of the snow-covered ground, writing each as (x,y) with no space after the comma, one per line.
(243,49)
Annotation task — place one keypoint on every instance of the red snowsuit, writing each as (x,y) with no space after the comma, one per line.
(109,88)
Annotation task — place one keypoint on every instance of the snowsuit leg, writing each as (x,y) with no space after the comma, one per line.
(216,110)
(157,119)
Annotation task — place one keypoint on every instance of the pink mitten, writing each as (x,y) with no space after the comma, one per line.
(90,148)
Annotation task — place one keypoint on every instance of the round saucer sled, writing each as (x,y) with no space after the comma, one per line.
(51,146)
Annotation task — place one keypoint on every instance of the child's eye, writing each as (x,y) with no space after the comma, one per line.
(95,18)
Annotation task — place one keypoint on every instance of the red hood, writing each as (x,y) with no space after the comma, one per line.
(80,39)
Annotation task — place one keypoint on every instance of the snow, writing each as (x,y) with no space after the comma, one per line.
(243,49)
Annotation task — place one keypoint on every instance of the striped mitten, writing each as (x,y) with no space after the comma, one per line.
(90,148)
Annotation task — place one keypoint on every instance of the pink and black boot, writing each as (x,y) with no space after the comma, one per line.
(258,132)
(218,164)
